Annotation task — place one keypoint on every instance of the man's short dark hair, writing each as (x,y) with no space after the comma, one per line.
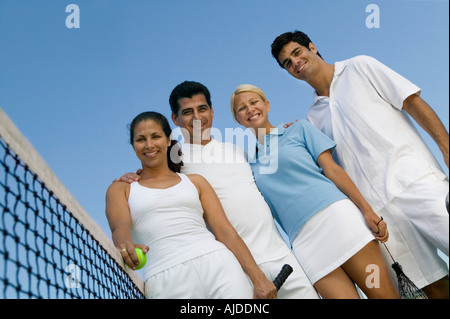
(296,36)
(187,89)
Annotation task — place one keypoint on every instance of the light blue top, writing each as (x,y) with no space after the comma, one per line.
(288,176)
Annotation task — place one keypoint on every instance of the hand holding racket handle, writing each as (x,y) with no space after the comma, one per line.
(286,270)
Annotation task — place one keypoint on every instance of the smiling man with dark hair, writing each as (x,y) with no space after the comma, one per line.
(363,106)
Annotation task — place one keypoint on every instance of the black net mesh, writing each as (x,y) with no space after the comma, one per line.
(45,252)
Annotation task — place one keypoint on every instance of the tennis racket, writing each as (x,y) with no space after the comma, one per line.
(446,203)
(286,270)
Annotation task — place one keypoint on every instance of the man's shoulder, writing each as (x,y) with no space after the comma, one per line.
(360,64)
(359,60)
(228,145)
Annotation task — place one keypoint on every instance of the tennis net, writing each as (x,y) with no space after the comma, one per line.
(49,246)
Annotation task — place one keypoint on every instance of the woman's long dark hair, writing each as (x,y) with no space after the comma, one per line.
(174,150)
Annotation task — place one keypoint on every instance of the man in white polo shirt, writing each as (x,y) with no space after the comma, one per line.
(362,105)
(225,167)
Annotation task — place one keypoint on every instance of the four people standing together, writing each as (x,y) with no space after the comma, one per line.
(333,214)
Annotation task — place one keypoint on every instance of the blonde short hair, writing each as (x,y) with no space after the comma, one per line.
(246,88)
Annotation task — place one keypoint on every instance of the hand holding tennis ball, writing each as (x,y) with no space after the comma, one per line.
(131,260)
(142,258)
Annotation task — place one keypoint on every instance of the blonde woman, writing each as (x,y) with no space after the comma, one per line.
(331,228)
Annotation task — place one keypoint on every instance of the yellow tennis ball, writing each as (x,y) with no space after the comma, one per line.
(142,258)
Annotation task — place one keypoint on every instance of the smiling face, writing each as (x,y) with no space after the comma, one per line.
(150,143)
(298,60)
(251,110)
(195,117)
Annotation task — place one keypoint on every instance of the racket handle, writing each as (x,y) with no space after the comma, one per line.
(286,270)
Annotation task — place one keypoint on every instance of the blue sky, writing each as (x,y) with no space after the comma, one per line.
(72,91)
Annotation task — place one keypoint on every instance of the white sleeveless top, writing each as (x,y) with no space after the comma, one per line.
(170,221)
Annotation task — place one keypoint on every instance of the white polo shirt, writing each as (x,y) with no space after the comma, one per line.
(377,144)
(225,167)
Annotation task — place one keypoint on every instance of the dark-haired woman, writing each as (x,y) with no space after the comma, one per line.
(167,211)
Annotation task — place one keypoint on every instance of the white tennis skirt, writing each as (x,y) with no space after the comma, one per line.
(330,238)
